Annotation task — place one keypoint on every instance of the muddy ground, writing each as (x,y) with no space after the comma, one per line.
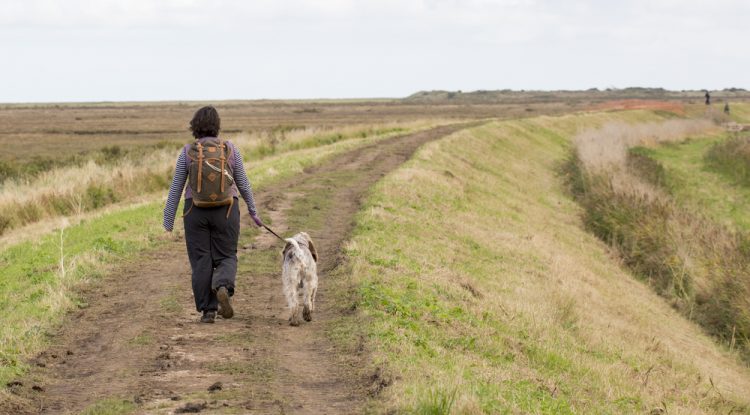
(138,339)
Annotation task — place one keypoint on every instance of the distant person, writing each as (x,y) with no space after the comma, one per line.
(708,98)
(726,108)
(215,177)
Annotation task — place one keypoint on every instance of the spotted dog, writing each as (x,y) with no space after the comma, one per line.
(299,270)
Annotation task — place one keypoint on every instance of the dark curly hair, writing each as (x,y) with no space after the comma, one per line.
(205,123)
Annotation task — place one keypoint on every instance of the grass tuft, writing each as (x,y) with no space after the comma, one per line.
(111,406)
(436,402)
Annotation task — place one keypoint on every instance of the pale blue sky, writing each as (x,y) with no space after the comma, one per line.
(95,50)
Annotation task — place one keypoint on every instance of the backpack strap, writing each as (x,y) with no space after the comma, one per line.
(189,210)
(229,210)
(223,158)
(200,165)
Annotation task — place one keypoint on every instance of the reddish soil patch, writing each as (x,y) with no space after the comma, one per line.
(641,104)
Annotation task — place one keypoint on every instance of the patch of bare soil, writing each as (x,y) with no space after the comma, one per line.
(139,338)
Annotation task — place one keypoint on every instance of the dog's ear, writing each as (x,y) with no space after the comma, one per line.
(312,248)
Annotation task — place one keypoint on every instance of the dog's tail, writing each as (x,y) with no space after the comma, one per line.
(296,250)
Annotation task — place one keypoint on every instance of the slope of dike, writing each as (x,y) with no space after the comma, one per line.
(480,291)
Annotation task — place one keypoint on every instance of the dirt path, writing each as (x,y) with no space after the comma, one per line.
(138,340)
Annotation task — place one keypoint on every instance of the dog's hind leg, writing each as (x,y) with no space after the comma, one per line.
(307,311)
(292,300)
(311,286)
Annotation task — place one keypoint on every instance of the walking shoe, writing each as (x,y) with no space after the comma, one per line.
(225,302)
(208,317)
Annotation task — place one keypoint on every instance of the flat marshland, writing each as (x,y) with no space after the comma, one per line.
(539,261)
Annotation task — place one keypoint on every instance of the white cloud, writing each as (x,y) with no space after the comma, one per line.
(88,49)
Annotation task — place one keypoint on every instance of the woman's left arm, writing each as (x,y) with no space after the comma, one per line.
(175,191)
(243,184)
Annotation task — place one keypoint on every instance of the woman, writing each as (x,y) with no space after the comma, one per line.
(215,176)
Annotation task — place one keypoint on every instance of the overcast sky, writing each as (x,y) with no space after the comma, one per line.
(102,50)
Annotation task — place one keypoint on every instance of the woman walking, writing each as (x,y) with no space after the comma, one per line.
(215,177)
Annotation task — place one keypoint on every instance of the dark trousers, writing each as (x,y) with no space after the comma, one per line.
(211,240)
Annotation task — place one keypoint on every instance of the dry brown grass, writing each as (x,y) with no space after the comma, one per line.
(607,147)
(73,190)
(698,265)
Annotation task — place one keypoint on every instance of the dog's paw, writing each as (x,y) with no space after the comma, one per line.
(294,321)
(307,314)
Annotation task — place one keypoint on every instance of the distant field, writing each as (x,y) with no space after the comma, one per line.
(68,129)
(64,130)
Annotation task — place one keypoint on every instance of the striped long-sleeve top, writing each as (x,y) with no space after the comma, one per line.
(180,178)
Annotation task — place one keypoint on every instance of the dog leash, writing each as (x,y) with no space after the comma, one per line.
(274,233)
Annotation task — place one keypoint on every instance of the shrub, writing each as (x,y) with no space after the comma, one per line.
(98,196)
(646,167)
(112,153)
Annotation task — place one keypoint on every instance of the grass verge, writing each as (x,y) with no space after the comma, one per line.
(478,291)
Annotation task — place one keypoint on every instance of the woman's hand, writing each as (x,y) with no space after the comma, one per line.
(257,220)
(168,235)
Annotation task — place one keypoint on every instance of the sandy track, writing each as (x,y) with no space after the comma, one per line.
(139,338)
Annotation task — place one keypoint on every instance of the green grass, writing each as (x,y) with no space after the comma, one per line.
(739,112)
(143,339)
(170,303)
(111,406)
(731,158)
(697,185)
(35,290)
(478,290)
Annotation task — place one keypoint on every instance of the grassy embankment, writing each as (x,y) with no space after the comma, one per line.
(38,276)
(479,291)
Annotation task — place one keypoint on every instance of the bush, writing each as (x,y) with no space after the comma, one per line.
(112,153)
(8,170)
(98,196)
(646,167)
(5,223)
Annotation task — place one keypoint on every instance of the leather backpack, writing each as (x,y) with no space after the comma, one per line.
(210,173)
